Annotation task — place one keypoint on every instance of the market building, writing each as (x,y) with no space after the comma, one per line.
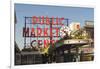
(77,49)
(68,49)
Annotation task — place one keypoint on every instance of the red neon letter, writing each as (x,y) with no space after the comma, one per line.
(39,31)
(34,19)
(61,19)
(47,20)
(32,32)
(45,31)
(25,32)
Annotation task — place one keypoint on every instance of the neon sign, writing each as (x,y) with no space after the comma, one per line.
(42,32)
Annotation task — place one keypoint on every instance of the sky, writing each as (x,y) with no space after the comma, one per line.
(74,14)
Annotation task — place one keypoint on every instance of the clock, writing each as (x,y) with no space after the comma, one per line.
(64,30)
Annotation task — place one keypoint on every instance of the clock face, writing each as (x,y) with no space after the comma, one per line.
(64,30)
